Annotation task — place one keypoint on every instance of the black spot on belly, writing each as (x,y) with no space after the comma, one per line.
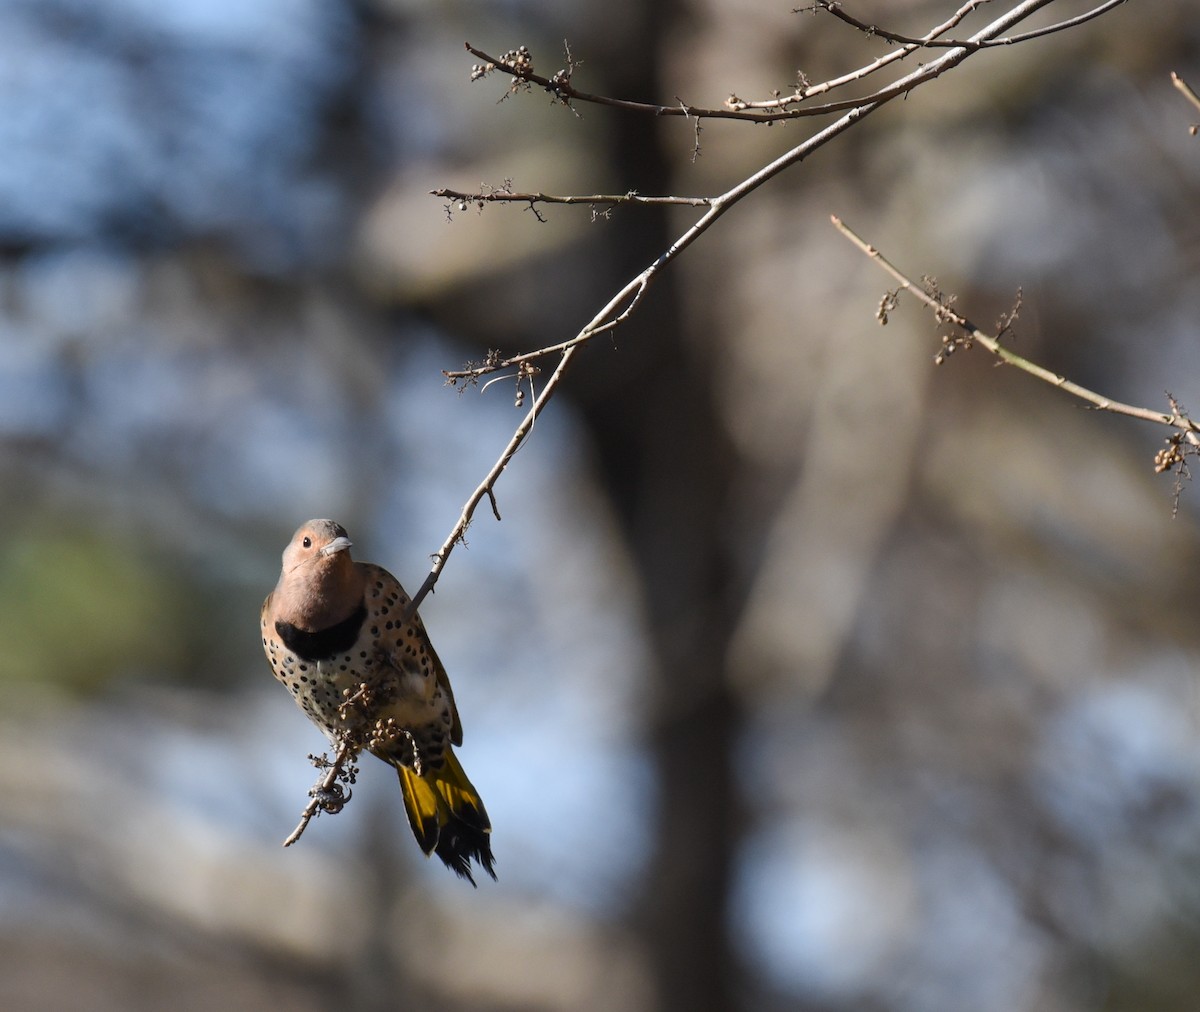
(315,646)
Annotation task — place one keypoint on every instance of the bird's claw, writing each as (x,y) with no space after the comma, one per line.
(331,799)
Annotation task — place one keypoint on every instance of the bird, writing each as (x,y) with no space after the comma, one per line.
(334,633)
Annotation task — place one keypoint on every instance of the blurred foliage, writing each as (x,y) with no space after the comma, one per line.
(83,607)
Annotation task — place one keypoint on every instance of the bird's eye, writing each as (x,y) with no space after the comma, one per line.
(307,542)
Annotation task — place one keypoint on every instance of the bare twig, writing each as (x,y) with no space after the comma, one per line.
(785,107)
(734,107)
(501,196)
(634,292)
(1186,89)
(486,487)
(805,90)
(1176,418)
(835,8)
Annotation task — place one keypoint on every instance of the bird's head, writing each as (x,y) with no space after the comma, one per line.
(319,584)
(317,545)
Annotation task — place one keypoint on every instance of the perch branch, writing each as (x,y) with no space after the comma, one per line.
(326,794)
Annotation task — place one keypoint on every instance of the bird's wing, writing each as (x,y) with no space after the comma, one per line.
(380,582)
(456,736)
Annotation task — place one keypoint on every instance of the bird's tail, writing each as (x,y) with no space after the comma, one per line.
(447,816)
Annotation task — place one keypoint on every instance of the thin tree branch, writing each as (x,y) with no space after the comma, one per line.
(835,8)
(495,364)
(734,107)
(1175,419)
(806,91)
(781,107)
(501,196)
(1185,89)
(486,487)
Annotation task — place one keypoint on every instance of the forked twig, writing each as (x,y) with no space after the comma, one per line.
(835,8)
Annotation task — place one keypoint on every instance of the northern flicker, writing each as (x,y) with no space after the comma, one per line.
(332,629)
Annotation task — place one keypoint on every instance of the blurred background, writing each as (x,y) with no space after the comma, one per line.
(799,674)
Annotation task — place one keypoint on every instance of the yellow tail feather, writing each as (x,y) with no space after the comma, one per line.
(421,804)
(447,816)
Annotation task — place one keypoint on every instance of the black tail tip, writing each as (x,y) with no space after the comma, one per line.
(458,845)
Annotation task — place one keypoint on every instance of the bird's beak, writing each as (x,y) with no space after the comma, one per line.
(337,545)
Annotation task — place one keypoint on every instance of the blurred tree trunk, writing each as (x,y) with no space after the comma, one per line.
(651,410)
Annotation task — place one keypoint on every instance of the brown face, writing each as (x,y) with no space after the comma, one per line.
(315,541)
